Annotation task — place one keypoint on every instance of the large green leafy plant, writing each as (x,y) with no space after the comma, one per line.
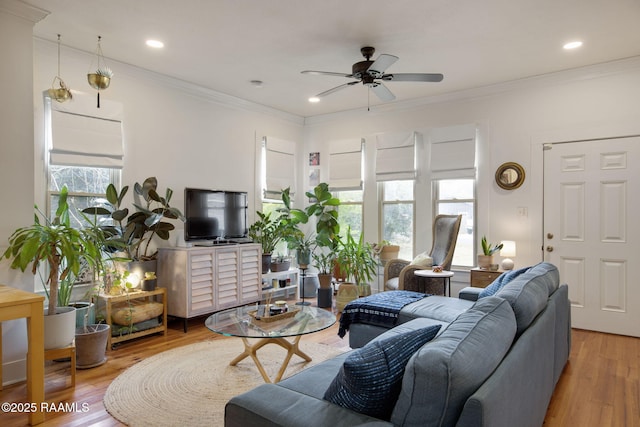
(356,259)
(64,249)
(134,233)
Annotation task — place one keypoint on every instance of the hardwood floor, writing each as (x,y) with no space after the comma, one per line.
(600,385)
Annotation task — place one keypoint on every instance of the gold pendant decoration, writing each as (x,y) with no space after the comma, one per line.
(101,77)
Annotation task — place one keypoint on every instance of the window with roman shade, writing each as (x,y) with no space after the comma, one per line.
(83,135)
(453,152)
(395,156)
(279,165)
(345,164)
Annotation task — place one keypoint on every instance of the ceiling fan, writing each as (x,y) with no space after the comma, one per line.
(372,74)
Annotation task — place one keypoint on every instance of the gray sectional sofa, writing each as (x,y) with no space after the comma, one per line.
(495,362)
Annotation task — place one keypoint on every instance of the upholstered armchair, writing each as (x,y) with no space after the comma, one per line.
(399,274)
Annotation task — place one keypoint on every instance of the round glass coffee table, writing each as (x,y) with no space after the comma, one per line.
(246,323)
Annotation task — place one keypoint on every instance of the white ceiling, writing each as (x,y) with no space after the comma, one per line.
(224,44)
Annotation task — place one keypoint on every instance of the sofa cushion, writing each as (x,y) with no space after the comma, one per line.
(370,378)
(441,376)
(435,307)
(529,292)
(501,281)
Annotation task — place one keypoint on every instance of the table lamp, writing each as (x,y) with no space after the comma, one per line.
(508,250)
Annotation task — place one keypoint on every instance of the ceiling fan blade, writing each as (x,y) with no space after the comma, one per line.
(383,62)
(326,73)
(383,92)
(335,89)
(413,77)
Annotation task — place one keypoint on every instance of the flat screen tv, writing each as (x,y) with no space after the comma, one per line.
(212,215)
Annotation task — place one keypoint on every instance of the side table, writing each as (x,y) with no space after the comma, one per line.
(481,278)
(444,275)
(16,304)
(109,300)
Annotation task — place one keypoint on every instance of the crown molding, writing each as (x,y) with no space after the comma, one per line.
(556,78)
(23,10)
(197,91)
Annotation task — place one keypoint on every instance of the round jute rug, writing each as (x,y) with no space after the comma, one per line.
(190,385)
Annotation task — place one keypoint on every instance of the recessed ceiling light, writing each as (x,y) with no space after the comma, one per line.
(572,45)
(156,44)
(314,99)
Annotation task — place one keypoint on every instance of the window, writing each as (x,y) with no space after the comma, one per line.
(397,215)
(457,197)
(350,212)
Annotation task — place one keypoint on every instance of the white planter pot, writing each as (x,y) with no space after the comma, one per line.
(60,328)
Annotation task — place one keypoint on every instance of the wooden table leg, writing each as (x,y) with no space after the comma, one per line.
(35,362)
(251,351)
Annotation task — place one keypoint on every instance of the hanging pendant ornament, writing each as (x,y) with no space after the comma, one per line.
(62,93)
(101,77)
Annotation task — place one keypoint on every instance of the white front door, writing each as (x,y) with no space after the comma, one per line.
(592,232)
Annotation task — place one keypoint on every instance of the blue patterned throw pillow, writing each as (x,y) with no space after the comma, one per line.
(370,379)
(501,281)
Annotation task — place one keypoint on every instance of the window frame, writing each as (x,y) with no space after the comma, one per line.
(382,203)
(474,201)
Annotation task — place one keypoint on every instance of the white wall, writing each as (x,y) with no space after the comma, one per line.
(513,120)
(184,135)
(16,161)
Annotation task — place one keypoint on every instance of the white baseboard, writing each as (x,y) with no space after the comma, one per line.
(14,372)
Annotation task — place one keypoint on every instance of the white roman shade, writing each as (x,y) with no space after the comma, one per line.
(279,167)
(345,164)
(395,156)
(453,152)
(83,135)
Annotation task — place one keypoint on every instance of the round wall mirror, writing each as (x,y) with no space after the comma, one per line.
(510,176)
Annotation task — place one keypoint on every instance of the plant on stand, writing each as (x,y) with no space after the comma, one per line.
(62,248)
(134,233)
(488,249)
(268,232)
(357,260)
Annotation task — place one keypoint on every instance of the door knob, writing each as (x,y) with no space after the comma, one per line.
(549,235)
(549,248)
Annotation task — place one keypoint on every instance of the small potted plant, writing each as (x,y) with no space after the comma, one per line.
(268,232)
(357,260)
(324,262)
(488,249)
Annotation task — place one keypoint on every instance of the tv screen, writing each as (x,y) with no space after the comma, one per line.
(214,214)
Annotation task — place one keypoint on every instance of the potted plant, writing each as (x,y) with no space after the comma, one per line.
(268,232)
(63,249)
(357,260)
(324,262)
(488,249)
(385,251)
(280,263)
(134,233)
(304,246)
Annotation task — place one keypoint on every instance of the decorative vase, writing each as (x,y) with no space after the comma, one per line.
(91,345)
(84,308)
(304,257)
(309,285)
(485,261)
(149,285)
(346,293)
(325,280)
(389,252)
(59,328)
(266,262)
(139,268)
(280,266)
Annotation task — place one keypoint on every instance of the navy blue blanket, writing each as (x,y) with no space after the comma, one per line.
(379,309)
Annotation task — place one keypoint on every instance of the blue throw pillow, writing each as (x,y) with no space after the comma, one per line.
(500,282)
(370,379)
